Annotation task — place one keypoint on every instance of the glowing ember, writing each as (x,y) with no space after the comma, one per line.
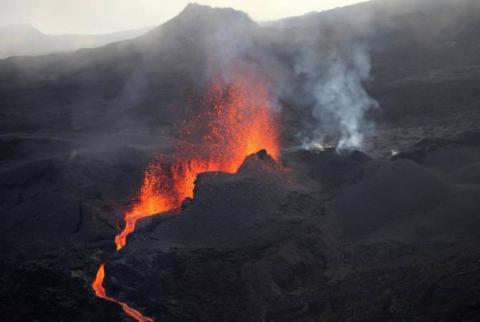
(97,286)
(234,122)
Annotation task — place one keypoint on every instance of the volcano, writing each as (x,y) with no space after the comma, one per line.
(192,173)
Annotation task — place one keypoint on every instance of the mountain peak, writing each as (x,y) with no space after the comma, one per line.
(195,8)
(197,12)
(20,29)
(204,20)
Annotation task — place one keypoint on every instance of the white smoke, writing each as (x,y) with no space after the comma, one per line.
(340,101)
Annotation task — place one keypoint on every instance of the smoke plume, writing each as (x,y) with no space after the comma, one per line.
(335,77)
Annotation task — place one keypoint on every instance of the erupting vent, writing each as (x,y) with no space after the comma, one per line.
(234,121)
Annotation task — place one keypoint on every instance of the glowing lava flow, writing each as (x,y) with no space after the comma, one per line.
(234,122)
(97,285)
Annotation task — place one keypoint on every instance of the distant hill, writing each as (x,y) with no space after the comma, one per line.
(26,40)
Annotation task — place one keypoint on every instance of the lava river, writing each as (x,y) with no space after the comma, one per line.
(234,121)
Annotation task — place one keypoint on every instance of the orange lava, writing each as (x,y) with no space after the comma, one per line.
(234,121)
(152,200)
(97,286)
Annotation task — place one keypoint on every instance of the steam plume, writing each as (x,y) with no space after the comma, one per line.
(340,100)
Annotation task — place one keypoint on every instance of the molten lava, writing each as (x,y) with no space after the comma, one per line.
(152,200)
(234,121)
(97,286)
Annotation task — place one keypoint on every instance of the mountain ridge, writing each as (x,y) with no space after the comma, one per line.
(26,40)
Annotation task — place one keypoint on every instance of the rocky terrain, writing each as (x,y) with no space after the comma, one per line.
(315,236)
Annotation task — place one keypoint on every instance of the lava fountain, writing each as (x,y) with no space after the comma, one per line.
(234,121)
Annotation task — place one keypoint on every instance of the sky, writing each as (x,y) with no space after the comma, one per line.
(101,16)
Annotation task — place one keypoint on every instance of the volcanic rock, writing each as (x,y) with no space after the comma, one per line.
(260,163)
(327,167)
